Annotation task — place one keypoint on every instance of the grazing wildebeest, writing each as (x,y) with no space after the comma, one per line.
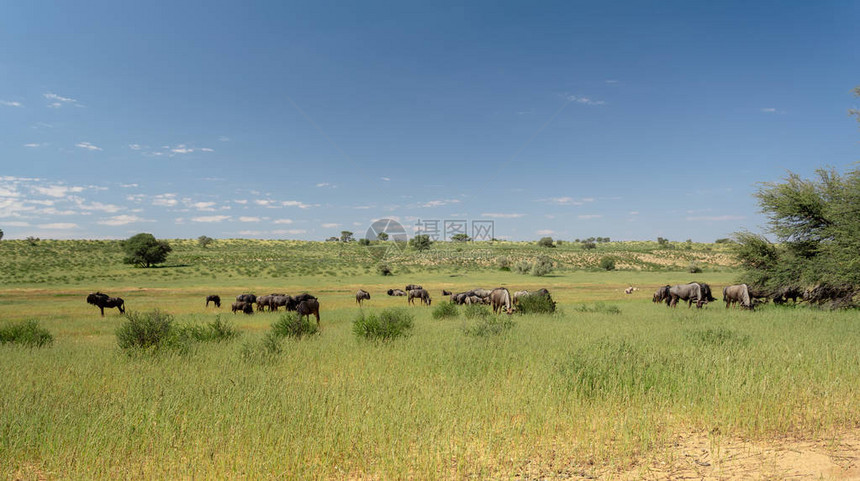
(469,300)
(783,294)
(102,300)
(519,295)
(215,299)
(263,303)
(541,292)
(419,294)
(661,294)
(446,293)
(249,298)
(686,292)
(412,287)
(243,306)
(482,293)
(739,294)
(294,301)
(459,298)
(361,295)
(396,292)
(500,298)
(706,293)
(307,307)
(278,300)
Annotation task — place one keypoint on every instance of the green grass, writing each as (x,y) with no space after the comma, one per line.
(582,388)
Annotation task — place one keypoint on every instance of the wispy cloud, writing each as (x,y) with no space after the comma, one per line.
(583,100)
(330,225)
(249,219)
(123,219)
(204,206)
(386,179)
(589,216)
(57,190)
(283,221)
(32,146)
(439,202)
(224,138)
(497,215)
(545,232)
(295,203)
(9,103)
(59,226)
(326,184)
(87,146)
(135,146)
(57,101)
(210,218)
(165,200)
(566,200)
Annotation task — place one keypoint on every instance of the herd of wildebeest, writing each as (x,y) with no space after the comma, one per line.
(499,298)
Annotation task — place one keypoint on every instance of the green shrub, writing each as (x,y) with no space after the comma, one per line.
(607,263)
(445,310)
(144,330)
(489,326)
(290,324)
(694,268)
(385,325)
(264,350)
(542,266)
(217,331)
(504,263)
(546,242)
(384,270)
(535,304)
(589,245)
(27,333)
(523,266)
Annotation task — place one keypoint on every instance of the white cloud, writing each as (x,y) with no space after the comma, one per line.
(249,219)
(204,206)
(15,223)
(634,212)
(206,149)
(32,146)
(502,216)
(545,232)
(210,218)
(589,216)
(59,226)
(135,146)
(289,231)
(126,186)
(769,110)
(583,100)
(109,208)
(165,200)
(121,220)
(184,149)
(439,203)
(324,184)
(88,146)
(715,218)
(283,221)
(562,201)
(58,101)
(224,139)
(295,203)
(330,225)
(56,190)
(9,103)
(386,179)
(264,202)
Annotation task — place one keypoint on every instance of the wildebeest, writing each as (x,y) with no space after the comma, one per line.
(469,300)
(482,293)
(661,294)
(737,294)
(500,298)
(459,298)
(783,294)
(412,287)
(263,303)
(307,307)
(102,300)
(215,299)
(249,298)
(361,295)
(278,300)
(294,301)
(706,292)
(419,294)
(242,306)
(519,295)
(686,292)
(446,293)
(396,292)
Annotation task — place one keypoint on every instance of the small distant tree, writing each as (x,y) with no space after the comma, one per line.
(421,242)
(363,242)
(542,266)
(346,236)
(333,239)
(546,242)
(384,270)
(461,237)
(723,240)
(607,264)
(144,250)
(662,242)
(205,241)
(559,242)
(382,236)
(587,244)
(1,234)
(32,240)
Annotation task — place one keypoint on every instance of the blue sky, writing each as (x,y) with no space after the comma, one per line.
(628,120)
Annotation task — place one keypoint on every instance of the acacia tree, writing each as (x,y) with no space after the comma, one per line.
(144,250)
(421,242)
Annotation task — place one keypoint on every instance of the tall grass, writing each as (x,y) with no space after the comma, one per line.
(26,333)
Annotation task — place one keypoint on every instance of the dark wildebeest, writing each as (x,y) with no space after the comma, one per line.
(294,301)
(307,307)
(263,303)
(102,300)
(469,300)
(446,293)
(361,295)
(278,300)
(243,306)
(482,293)
(249,298)
(686,292)
(459,298)
(706,293)
(500,298)
(737,294)
(396,292)
(412,287)
(661,294)
(419,294)
(215,299)
(783,294)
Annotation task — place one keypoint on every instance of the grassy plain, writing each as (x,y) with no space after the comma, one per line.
(579,393)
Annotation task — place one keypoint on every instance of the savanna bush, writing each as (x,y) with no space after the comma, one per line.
(26,333)
(504,263)
(694,268)
(523,266)
(216,331)
(476,311)
(290,324)
(144,330)
(607,263)
(542,266)
(383,326)
(445,310)
(536,304)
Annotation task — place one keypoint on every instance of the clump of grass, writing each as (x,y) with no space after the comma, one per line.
(445,310)
(536,304)
(383,326)
(215,331)
(476,311)
(718,337)
(290,324)
(598,307)
(264,350)
(489,326)
(26,333)
(146,330)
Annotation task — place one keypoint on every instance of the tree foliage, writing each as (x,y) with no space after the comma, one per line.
(144,250)
(546,242)
(421,242)
(205,241)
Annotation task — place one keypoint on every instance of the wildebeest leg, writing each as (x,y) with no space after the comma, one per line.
(121,309)
(103,310)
